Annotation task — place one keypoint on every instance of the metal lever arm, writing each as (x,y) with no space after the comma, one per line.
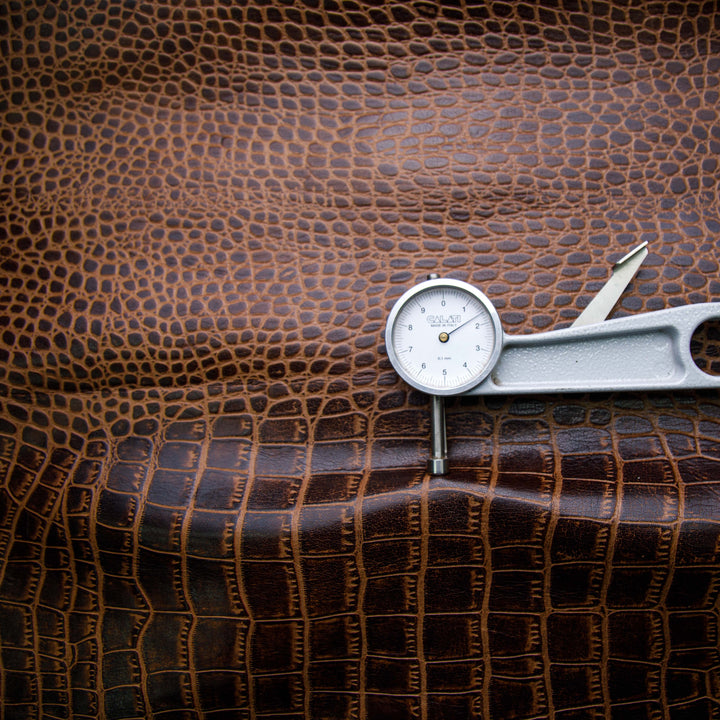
(642,352)
(622,274)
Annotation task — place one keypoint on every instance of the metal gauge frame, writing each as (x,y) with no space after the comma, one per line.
(413,294)
(645,352)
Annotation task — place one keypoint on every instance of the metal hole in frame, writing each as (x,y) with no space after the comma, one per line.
(705,346)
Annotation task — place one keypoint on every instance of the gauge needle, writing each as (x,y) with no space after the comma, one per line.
(467,322)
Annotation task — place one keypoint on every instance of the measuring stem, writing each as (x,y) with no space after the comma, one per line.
(438,463)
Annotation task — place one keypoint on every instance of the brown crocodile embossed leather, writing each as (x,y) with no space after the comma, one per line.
(213,500)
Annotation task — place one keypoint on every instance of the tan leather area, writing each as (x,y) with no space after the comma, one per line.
(214,500)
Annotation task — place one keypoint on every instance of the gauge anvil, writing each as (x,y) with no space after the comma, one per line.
(444,337)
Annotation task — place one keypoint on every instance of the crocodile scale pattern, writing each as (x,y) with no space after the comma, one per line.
(213,498)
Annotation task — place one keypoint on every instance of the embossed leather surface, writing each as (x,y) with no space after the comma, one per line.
(213,499)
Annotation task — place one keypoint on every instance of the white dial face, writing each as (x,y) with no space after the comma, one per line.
(443,336)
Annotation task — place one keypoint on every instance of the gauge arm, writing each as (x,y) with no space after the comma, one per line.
(650,351)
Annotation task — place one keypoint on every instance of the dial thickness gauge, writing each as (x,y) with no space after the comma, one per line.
(443,336)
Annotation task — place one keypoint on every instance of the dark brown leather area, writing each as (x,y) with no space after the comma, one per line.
(213,500)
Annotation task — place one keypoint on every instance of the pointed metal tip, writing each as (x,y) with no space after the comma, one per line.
(640,248)
(622,273)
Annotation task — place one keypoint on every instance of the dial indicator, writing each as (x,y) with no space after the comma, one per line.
(443,336)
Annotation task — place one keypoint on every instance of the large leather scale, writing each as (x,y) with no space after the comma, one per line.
(214,501)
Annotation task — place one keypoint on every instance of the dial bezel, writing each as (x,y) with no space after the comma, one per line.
(433,284)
